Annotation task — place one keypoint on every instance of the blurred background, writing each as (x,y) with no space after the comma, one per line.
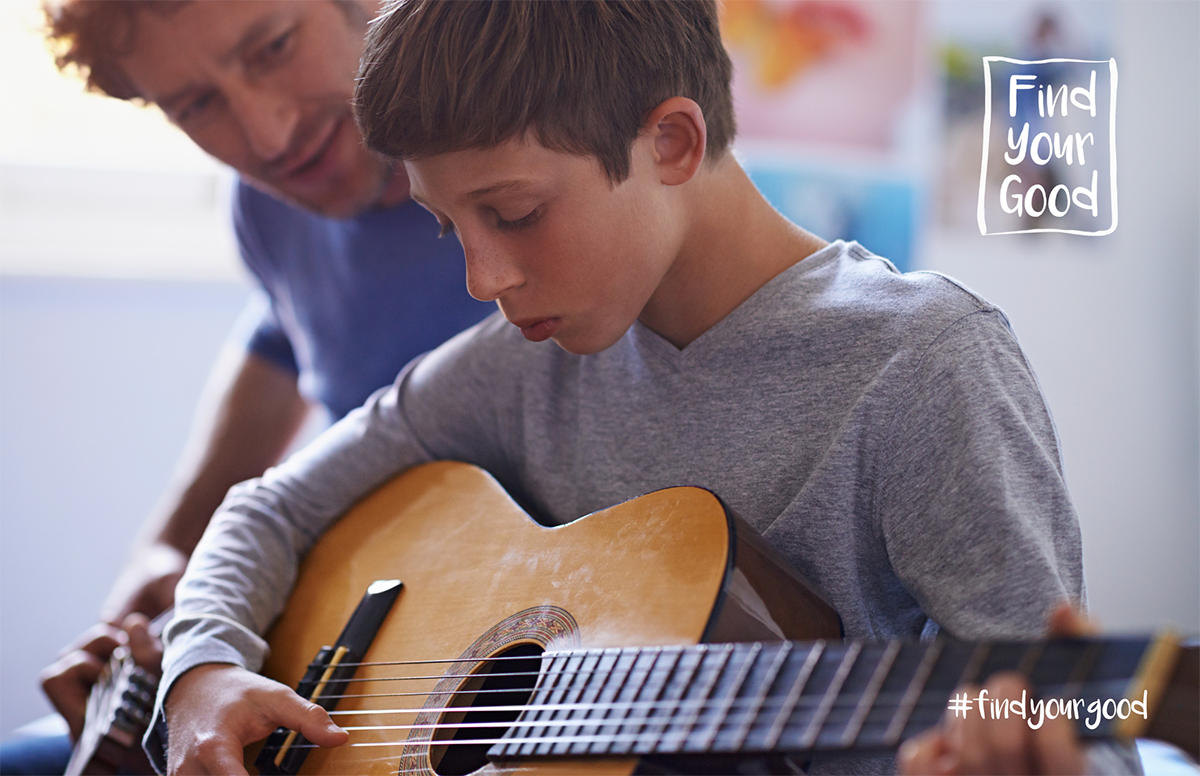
(119,277)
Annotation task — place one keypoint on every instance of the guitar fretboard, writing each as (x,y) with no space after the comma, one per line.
(799,697)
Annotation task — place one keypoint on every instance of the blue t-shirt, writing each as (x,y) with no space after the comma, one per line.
(351,301)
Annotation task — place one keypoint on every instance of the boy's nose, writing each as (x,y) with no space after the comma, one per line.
(490,273)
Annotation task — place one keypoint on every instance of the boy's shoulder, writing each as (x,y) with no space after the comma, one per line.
(845,292)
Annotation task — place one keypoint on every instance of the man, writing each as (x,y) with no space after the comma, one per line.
(354,280)
(661,324)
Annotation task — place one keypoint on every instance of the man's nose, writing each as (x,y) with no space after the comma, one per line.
(268,122)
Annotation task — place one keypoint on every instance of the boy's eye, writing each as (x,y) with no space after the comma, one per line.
(520,223)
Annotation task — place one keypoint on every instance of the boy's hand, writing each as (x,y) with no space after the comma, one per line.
(973,745)
(215,710)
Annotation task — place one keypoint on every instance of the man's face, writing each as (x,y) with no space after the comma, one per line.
(564,253)
(265,87)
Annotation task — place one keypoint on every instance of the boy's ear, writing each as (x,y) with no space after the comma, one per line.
(679,134)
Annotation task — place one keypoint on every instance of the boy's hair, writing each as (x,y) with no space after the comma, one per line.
(581,74)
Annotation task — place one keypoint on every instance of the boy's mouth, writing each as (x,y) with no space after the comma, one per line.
(540,329)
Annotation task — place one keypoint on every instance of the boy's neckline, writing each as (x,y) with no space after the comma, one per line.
(647,339)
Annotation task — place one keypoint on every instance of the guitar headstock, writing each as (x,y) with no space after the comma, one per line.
(118,713)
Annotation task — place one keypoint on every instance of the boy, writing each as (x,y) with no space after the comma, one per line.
(883,431)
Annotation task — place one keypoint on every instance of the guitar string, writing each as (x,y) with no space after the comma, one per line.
(804,700)
(666,722)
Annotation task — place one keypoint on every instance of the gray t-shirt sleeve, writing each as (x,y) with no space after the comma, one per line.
(973,507)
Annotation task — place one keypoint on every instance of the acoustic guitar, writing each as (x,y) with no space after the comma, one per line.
(661,633)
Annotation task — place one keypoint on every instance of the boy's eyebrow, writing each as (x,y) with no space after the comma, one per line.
(501,186)
(512,185)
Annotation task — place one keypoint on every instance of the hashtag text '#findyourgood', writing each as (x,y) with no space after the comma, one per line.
(1036,711)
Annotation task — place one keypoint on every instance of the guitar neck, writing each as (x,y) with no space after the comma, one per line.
(831,696)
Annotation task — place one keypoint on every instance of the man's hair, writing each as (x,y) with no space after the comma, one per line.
(581,74)
(91,37)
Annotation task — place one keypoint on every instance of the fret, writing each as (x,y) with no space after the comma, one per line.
(550,678)
(558,692)
(752,711)
(857,681)
(793,697)
(1083,666)
(953,661)
(1112,676)
(1032,654)
(719,712)
(594,698)
(713,664)
(871,694)
(647,700)
(1005,656)
(621,742)
(572,697)
(746,703)
(974,667)
(675,731)
(1059,662)
(830,695)
(613,687)
(895,728)
(666,706)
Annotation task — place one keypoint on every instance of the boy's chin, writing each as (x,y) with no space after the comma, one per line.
(585,346)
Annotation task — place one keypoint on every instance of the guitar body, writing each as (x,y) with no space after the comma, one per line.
(481,578)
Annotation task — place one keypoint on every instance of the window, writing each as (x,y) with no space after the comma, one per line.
(94,186)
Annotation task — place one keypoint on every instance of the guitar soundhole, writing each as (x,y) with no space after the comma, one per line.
(500,683)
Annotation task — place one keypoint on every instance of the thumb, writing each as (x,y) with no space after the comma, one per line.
(316,725)
(1066,621)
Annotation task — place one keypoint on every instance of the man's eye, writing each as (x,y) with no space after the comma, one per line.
(274,52)
(521,223)
(193,108)
(278,45)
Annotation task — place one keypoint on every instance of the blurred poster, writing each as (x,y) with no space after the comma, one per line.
(877,209)
(1030,31)
(815,71)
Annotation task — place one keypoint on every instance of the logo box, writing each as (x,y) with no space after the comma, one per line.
(1049,147)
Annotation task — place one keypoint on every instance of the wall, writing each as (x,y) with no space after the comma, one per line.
(98,379)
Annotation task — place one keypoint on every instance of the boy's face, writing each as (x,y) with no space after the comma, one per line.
(565,254)
(265,87)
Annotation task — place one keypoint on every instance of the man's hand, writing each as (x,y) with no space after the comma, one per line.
(215,710)
(69,680)
(972,745)
(146,584)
